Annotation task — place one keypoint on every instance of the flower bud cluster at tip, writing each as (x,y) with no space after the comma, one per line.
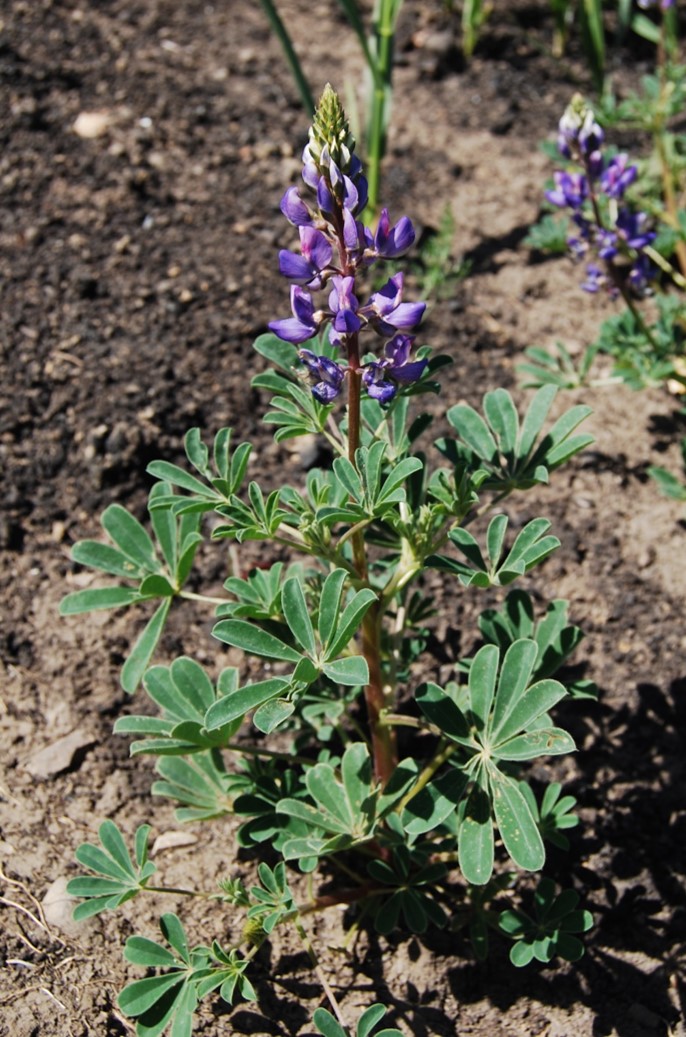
(335,246)
(602,181)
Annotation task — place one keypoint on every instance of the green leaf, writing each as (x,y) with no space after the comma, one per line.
(503,418)
(252,639)
(514,677)
(476,843)
(140,996)
(474,431)
(171,473)
(130,537)
(242,701)
(548,741)
(326,1024)
(106,558)
(141,951)
(516,824)
(351,670)
(482,678)
(330,603)
(268,717)
(98,598)
(350,621)
(137,662)
(440,710)
(535,417)
(435,803)
(297,615)
(529,705)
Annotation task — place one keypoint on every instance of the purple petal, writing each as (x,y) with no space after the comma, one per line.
(295,267)
(406,315)
(294,208)
(409,372)
(291,330)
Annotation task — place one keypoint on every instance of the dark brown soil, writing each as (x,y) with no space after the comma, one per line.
(137,267)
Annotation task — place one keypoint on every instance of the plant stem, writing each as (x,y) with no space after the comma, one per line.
(281,33)
(444,752)
(321,975)
(384,743)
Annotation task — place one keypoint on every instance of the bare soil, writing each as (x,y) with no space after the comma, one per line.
(138,265)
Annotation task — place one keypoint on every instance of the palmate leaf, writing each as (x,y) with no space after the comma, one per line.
(530,547)
(199,785)
(503,718)
(514,454)
(328,1026)
(160,575)
(553,931)
(340,808)
(116,877)
(185,694)
(171,998)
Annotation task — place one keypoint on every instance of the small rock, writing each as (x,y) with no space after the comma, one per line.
(90,125)
(171,840)
(63,755)
(58,908)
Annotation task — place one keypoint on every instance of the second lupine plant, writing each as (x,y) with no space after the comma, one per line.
(335,751)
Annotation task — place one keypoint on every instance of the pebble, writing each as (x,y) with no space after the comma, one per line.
(173,839)
(63,755)
(58,908)
(90,125)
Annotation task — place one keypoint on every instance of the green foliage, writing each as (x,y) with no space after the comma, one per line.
(530,547)
(549,234)
(553,929)
(328,1026)
(502,718)
(170,999)
(299,741)
(508,455)
(116,877)
(159,568)
(438,273)
(668,483)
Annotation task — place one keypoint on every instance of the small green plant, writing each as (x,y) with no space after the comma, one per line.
(358,779)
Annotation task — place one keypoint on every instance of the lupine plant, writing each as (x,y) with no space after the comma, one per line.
(335,752)
(622,247)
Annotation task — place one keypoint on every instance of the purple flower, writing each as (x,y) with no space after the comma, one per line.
(631,228)
(303,324)
(664,5)
(294,209)
(595,279)
(382,377)
(607,244)
(326,376)
(618,176)
(570,189)
(641,273)
(386,311)
(390,242)
(316,257)
(579,131)
(343,304)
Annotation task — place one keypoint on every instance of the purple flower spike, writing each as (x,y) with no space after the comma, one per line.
(640,274)
(390,242)
(618,176)
(326,375)
(294,209)
(308,267)
(343,303)
(303,324)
